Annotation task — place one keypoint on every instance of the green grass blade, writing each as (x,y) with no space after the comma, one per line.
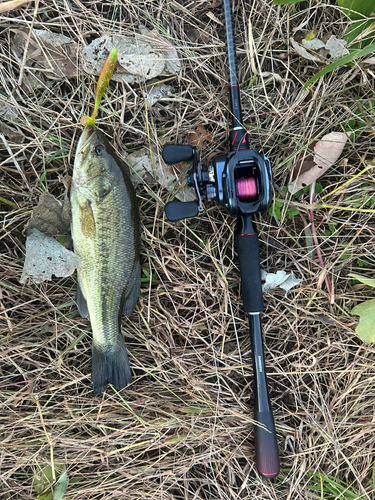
(286,2)
(363,279)
(353,8)
(341,62)
(8,202)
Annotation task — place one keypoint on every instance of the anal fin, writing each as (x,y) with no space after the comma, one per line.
(131,299)
(81,303)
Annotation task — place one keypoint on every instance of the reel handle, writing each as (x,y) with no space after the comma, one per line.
(174,153)
(178,210)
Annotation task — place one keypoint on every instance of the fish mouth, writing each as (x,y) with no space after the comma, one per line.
(87,133)
(83,143)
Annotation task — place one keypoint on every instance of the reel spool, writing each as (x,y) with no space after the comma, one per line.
(247,189)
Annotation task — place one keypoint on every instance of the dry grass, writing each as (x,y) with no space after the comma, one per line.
(185,430)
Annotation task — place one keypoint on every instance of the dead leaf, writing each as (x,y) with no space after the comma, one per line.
(51,216)
(143,169)
(55,52)
(51,38)
(335,47)
(12,5)
(313,44)
(303,163)
(157,92)
(281,279)
(8,113)
(33,81)
(166,48)
(199,137)
(276,76)
(11,133)
(326,152)
(140,58)
(301,51)
(193,35)
(46,257)
(213,18)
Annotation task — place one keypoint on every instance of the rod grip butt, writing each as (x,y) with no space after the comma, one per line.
(266,450)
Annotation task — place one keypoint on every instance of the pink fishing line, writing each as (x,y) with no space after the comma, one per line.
(247,189)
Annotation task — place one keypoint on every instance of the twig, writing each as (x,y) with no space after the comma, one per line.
(26,49)
(318,252)
(50,442)
(15,161)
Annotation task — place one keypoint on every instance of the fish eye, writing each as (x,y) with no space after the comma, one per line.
(99,149)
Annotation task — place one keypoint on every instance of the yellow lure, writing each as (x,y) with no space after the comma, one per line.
(105,76)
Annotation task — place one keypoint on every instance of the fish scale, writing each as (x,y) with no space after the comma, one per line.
(106,237)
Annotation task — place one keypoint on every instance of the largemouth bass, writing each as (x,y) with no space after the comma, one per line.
(106,237)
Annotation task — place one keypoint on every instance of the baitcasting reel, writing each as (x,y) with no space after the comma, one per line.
(241,182)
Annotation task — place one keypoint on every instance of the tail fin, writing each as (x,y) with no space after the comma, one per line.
(110,367)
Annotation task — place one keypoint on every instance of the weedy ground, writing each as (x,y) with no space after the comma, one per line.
(185,430)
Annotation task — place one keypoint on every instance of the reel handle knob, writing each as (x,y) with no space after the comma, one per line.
(178,210)
(174,153)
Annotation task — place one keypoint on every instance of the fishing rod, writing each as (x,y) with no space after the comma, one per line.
(241,182)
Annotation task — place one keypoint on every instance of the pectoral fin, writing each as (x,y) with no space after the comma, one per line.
(86,217)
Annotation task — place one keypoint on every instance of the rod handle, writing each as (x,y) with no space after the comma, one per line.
(266,450)
(249,261)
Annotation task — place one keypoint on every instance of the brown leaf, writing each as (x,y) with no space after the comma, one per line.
(12,134)
(50,216)
(303,166)
(165,47)
(140,58)
(302,162)
(53,51)
(213,154)
(199,137)
(12,5)
(8,113)
(179,167)
(327,152)
(193,35)
(168,176)
(45,257)
(301,51)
